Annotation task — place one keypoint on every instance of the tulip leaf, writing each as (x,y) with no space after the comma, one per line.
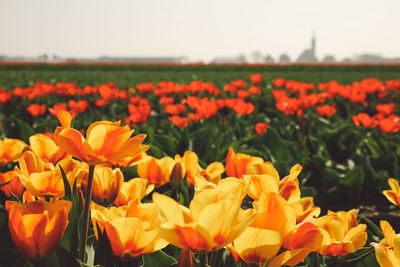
(103,253)
(377,231)
(22,262)
(3,184)
(14,197)
(276,145)
(67,186)
(25,130)
(70,239)
(158,259)
(66,259)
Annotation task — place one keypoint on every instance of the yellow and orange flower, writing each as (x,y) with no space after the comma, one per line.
(37,227)
(342,235)
(393,195)
(133,230)
(45,147)
(106,183)
(41,178)
(14,186)
(105,141)
(201,226)
(10,150)
(159,171)
(266,237)
(237,163)
(387,251)
(135,188)
(212,173)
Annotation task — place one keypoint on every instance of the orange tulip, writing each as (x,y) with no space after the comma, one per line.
(133,230)
(387,251)
(106,184)
(266,237)
(157,171)
(14,186)
(237,163)
(46,148)
(133,189)
(41,178)
(342,235)
(393,195)
(201,226)
(105,141)
(212,173)
(37,227)
(10,150)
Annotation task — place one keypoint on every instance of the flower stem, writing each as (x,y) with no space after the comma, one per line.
(88,199)
(203,259)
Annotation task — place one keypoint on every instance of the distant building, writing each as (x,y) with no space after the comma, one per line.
(174,60)
(229,60)
(284,58)
(308,55)
(329,59)
(268,59)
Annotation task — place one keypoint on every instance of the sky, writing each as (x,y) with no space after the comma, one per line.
(198,30)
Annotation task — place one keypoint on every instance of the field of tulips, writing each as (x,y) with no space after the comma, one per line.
(251,170)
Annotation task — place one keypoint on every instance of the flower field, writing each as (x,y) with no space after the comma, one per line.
(253,166)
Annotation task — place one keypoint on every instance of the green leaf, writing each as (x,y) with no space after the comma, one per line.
(25,131)
(353,178)
(377,231)
(66,259)
(67,186)
(158,259)
(3,184)
(276,145)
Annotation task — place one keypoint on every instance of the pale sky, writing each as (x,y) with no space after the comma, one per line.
(199,30)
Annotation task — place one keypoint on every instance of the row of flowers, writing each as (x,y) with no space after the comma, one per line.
(265,219)
(197,101)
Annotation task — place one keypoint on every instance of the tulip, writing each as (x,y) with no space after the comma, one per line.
(133,189)
(201,227)
(46,148)
(237,163)
(37,227)
(133,230)
(106,184)
(266,237)
(10,150)
(212,173)
(105,141)
(42,179)
(14,186)
(387,251)
(393,195)
(342,235)
(157,171)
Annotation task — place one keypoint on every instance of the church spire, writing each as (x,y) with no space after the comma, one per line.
(313,44)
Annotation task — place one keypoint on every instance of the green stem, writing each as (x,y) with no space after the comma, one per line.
(213,258)
(88,199)
(202,257)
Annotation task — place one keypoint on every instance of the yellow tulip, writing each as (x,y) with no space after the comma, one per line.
(212,173)
(105,141)
(45,147)
(238,163)
(133,189)
(157,171)
(201,226)
(37,227)
(342,235)
(133,230)
(274,230)
(41,178)
(14,186)
(387,251)
(393,195)
(10,150)
(106,183)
